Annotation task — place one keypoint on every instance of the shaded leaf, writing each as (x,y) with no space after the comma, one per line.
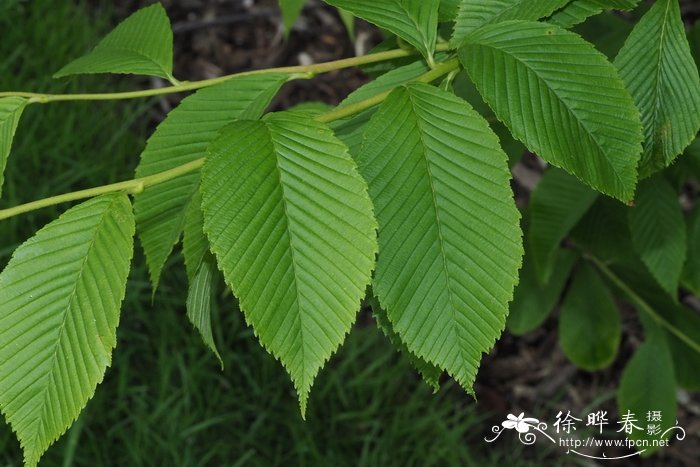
(449,234)
(429,372)
(691,269)
(11,109)
(557,204)
(201,273)
(295,235)
(589,324)
(648,384)
(658,69)
(532,301)
(579,11)
(474,14)
(183,137)
(538,80)
(142,44)
(658,232)
(59,310)
(415,21)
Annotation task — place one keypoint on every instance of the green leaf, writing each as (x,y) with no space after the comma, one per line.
(350,130)
(589,324)
(604,232)
(474,14)
(694,42)
(532,301)
(415,21)
(658,69)
(691,269)
(291,9)
(59,309)
(448,10)
(538,80)
(348,20)
(429,372)
(658,232)
(142,44)
(449,235)
(295,235)
(11,109)
(579,11)
(648,384)
(201,272)
(183,137)
(557,204)
(607,32)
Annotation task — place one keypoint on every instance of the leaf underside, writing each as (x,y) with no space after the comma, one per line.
(659,232)
(415,21)
(59,310)
(10,112)
(473,14)
(557,204)
(142,44)
(183,137)
(658,69)
(294,235)
(560,97)
(449,234)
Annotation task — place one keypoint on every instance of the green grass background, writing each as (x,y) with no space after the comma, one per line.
(165,401)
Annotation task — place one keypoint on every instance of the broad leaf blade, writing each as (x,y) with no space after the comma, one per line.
(648,384)
(201,273)
(691,269)
(659,233)
(474,14)
(557,204)
(10,112)
(579,11)
(415,21)
(449,234)
(142,44)
(59,309)
(589,324)
(532,301)
(183,137)
(658,69)
(294,236)
(538,80)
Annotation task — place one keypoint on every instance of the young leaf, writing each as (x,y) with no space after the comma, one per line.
(449,236)
(183,137)
(538,80)
(142,44)
(474,14)
(658,232)
(201,272)
(578,11)
(658,69)
(429,372)
(295,235)
(532,301)
(589,324)
(290,12)
(648,385)
(59,309)
(415,21)
(10,112)
(557,204)
(691,269)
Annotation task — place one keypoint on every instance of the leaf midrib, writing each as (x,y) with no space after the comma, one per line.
(70,300)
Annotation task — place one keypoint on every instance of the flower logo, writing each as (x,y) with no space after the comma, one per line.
(520,423)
